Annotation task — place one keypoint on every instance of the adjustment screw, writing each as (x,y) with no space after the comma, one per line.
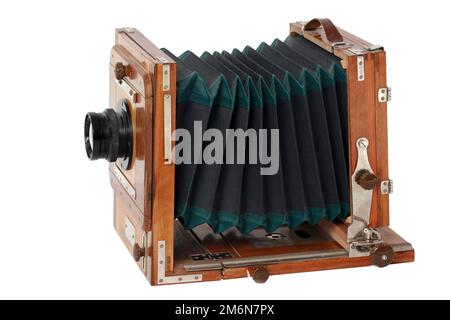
(363,143)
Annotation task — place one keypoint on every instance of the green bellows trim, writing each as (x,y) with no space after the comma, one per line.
(220,221)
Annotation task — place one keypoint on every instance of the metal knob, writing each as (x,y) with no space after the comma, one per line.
(366,179)
(120,71)
(138,252)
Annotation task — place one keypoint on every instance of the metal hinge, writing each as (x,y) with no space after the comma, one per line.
(384,94)
(166,77)
(162,278)
(165,73)
(359,52)
(387,187)
(361,72)
(129,231)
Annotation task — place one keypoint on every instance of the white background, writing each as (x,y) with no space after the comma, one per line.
(56,233)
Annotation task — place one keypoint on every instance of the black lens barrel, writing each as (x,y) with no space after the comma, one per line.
(108,135)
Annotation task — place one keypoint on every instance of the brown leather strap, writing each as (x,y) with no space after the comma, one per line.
(331,32)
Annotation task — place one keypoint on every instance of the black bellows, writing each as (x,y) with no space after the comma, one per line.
(294,87)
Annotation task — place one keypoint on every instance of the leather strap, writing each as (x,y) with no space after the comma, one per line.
(331,32)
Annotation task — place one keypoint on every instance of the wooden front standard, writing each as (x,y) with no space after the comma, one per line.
(144,194)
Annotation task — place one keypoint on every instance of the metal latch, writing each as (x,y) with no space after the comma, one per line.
(387,187)
(384,94)
(375,47)
(357,50)
(340,44)
(360,237)
(366,243)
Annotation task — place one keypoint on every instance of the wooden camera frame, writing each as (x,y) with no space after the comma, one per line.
(145,77)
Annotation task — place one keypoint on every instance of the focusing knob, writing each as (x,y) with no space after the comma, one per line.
(383,256)
(366,179)
(138,252)
(260,274)
(120,71)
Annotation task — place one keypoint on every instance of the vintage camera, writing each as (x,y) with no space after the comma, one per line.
(313,106)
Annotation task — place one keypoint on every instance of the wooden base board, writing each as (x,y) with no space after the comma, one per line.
(292,267)
(303,250)
(248,250)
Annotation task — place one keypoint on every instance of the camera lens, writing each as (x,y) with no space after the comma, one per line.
(108,135)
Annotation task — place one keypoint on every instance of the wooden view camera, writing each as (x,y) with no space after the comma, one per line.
(322,91)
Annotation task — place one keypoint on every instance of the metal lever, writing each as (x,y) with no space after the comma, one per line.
(362,185)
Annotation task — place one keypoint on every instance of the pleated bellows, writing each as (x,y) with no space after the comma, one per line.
(293,86)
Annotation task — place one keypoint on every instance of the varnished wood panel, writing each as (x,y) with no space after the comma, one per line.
(382,140)
(121,212)
(124,40)
(362,116)
(163,188)
(338,231)
(246,249)
(135,175)
(149,47)
(367,117)
(121,194)
(234,273)
(140,79)
(240,246)
(151,177)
